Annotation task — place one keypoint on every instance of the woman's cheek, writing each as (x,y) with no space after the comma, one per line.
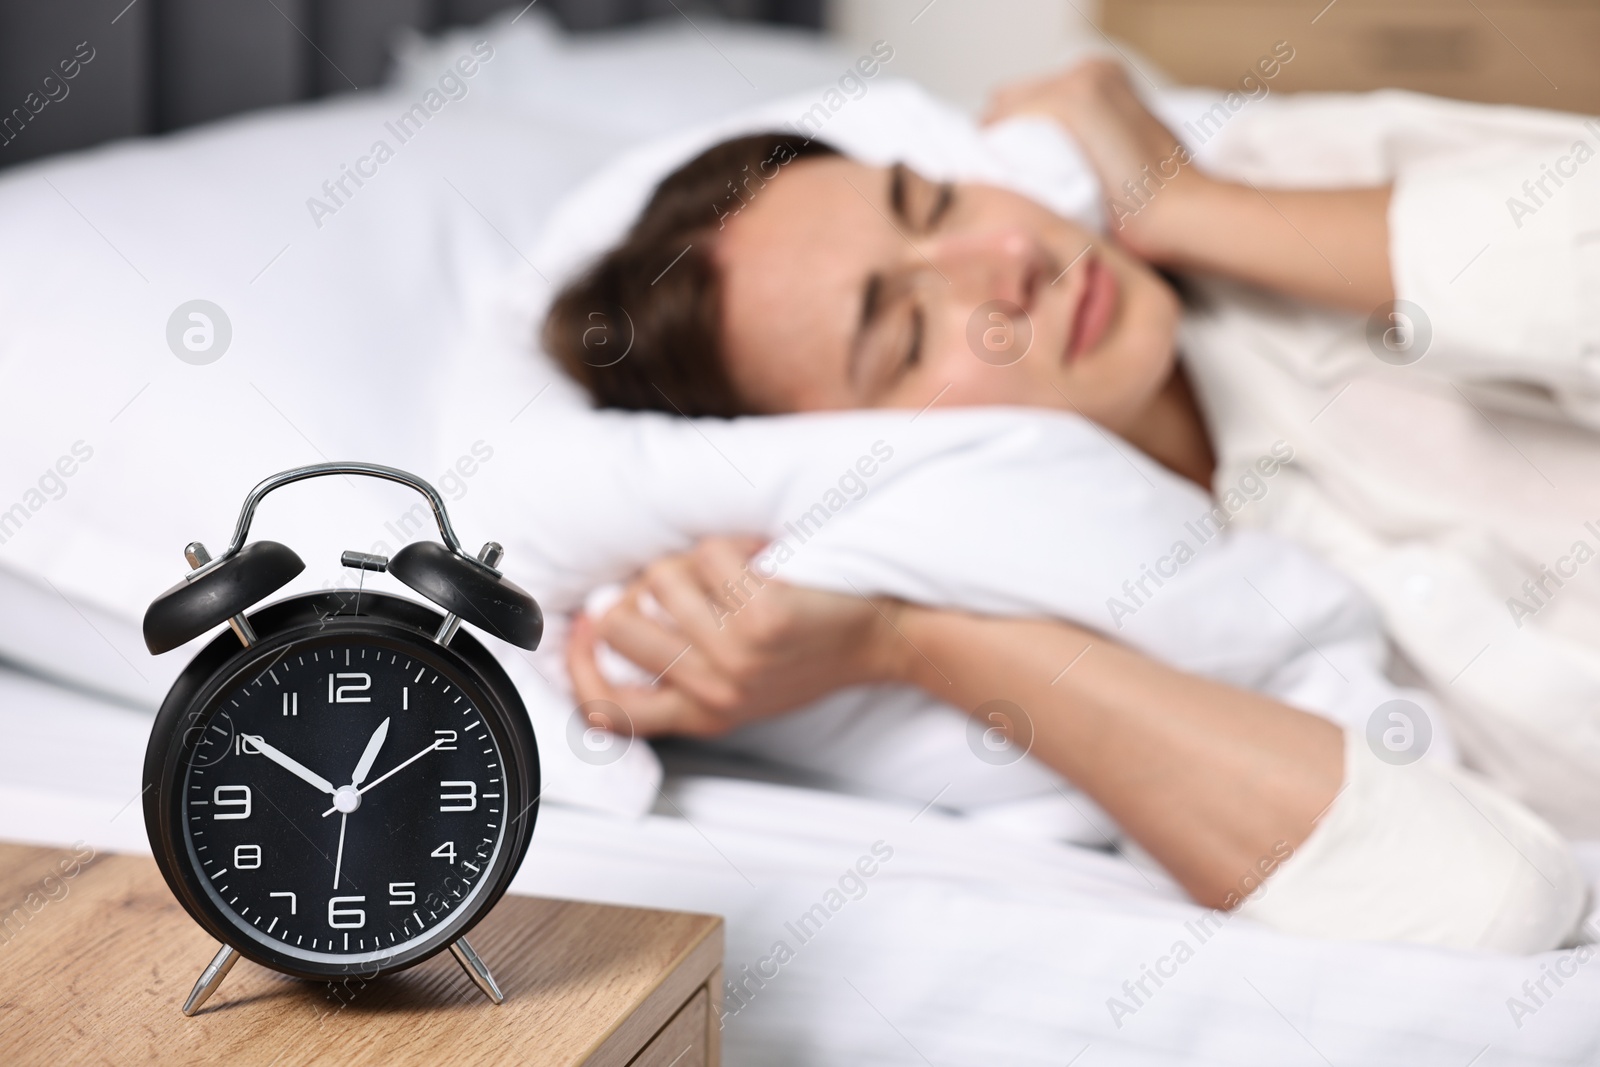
(1115,386)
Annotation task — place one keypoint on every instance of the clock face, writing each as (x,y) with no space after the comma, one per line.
(345,801)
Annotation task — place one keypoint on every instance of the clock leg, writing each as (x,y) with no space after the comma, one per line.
(476,970)
(210,979)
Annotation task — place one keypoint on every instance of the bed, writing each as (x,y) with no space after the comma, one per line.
(970,945)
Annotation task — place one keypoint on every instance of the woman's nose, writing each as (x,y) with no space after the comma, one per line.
(994,264)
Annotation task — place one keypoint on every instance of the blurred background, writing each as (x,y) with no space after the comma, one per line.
(160,65)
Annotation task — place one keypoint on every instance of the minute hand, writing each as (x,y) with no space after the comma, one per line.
(387,773)
(290,764)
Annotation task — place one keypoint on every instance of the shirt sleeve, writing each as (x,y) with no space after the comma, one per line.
(1498,252)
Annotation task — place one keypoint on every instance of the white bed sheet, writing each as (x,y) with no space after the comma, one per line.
(966,947)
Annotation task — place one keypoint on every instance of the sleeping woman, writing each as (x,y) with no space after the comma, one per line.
(842,285)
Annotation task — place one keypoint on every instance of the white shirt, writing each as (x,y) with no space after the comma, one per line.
(1460,490)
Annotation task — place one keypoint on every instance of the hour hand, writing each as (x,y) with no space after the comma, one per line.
(290,764)
(370,753)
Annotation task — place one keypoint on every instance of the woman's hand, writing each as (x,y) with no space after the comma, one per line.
(1095,102)
(1330,246)
(729,646)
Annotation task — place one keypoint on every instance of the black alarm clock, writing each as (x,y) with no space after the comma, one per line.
(341,784)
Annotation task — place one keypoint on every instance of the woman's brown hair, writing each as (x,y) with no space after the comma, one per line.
(641,328)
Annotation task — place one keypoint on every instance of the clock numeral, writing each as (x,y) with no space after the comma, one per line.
(245,745)
(446,740)
(247,857)
(446,851)
(344,693)
(402,894)
(291,703)
(293,900)
(458,796)
(343,918)
(236,797)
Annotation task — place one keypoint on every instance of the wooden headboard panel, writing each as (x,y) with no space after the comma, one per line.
(77,72)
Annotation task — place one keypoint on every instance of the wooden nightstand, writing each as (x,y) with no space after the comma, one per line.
(93,967)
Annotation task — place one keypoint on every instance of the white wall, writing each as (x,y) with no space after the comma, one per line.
(963,48)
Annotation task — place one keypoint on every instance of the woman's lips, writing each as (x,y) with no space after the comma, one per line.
(1096,307)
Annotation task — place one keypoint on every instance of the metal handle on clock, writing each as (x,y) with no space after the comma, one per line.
(318,470)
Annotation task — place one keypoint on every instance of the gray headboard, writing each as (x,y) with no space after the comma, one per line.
(77,72)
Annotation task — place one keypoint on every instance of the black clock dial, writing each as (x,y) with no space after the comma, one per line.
(345,800)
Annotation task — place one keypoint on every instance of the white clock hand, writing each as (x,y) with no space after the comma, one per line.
(338,858)
(387,773)
(290,764)
(370,753)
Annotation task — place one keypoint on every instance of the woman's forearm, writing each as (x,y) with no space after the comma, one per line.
(1329,246)
(1212,780)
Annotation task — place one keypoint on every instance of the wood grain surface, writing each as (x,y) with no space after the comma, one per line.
(682,1042)
(96,957)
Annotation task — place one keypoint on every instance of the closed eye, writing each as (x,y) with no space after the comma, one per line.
(893,347)
(913,354)
(941,207)
(909,192)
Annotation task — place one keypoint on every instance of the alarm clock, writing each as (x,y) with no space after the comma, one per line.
(341,784)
